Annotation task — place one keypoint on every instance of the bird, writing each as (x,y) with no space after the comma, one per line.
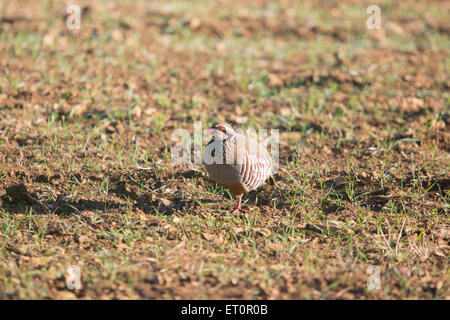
(236,162)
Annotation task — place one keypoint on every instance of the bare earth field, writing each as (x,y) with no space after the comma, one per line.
(87,179)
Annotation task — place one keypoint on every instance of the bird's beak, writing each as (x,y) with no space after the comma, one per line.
(211,131)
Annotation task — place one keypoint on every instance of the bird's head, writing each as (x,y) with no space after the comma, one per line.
(221,130)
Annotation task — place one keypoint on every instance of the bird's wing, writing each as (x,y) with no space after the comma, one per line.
(255,163)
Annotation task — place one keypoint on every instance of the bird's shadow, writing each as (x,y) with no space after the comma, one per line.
(18,199)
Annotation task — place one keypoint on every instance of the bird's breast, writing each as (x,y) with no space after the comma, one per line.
(225,174)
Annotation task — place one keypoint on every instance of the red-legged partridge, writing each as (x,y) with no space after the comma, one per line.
(236,162)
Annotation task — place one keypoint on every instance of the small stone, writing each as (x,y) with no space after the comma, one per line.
(195,23)
(137,111)
(165,203)
(82,239)
(274,80)
(79,109)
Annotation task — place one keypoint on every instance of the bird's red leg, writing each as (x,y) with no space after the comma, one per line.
(238,208)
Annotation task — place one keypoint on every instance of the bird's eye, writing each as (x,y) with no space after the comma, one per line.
(220,128)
